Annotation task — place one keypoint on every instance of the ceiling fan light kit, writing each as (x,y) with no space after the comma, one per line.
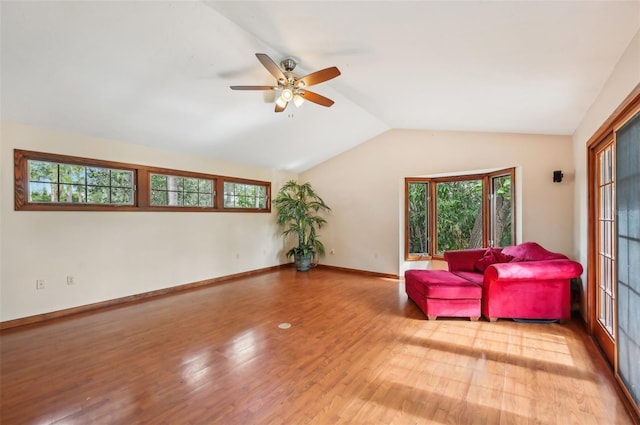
(287,94)
(291,86)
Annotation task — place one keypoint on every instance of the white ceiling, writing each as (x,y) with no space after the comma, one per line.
(158,73)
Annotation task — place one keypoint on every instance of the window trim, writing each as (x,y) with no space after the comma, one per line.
(142,186)
(432,208)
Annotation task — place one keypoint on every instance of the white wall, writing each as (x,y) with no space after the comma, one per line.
(116,254)
(364,187)
(624,78)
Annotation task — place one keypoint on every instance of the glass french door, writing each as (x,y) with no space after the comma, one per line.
(613,242)
(603,327)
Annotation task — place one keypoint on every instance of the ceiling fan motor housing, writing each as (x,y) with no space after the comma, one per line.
(288,64)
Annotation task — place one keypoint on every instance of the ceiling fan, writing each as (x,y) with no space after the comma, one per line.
(293,87)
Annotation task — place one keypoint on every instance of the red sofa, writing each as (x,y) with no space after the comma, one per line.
(519,282)
(442,293)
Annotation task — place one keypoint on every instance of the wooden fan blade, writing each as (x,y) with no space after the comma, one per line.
(271,66)
(281,108)
(252,87)
(320,76)
(315,98)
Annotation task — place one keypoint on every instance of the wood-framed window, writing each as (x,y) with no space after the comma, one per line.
(52,182)
(458,212)
(55,183)
(241,194)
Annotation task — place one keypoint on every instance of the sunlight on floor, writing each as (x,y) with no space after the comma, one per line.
(243,347)
(196,369)
(495,372)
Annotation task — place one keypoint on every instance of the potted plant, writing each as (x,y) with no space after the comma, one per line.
(298,207)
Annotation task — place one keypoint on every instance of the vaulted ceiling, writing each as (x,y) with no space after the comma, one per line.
(158,73)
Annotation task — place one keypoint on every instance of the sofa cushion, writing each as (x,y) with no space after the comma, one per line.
(531,251)
(463,259)
(442,284)
(473,277)
(492,256)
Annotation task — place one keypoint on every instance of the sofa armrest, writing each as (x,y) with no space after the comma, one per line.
(533,270)
(463,260)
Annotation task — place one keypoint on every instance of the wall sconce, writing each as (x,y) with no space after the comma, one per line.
(557,176)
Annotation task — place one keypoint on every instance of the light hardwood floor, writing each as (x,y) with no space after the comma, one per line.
(358,352)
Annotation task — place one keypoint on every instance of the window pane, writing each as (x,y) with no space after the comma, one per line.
(176,183)
(121,196)
(190,199)
(606,240)
(72,194)
(158,182)
(159,198)
(42,192)
(77,184)
(179,191)
(459,215)
(98,195)
(98,176)
(418,229)
(205,186)
(240,195)
(501,211)
(191,185)
(72,173)
(121,178)
(205,200)
(40,171)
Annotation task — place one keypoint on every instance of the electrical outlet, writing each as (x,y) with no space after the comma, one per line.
(40,284)
(71,280)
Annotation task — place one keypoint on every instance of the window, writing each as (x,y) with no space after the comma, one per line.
(53,182)
(501,200)
(417,207)
(458,215)
(178,191)
(45,181)
(243,195)
(458,212)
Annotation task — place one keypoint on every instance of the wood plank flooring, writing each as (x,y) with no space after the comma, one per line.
(358,352)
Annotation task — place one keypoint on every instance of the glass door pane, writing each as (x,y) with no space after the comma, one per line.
(606,297)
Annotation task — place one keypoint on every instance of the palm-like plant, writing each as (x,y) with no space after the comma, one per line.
(298,207)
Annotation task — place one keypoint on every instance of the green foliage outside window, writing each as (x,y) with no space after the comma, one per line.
(51,182)
(456,213)
(168,190)
(418,232)
(502,214)
(459,215)
(242,195)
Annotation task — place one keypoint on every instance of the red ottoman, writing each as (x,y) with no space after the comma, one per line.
(442,293)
